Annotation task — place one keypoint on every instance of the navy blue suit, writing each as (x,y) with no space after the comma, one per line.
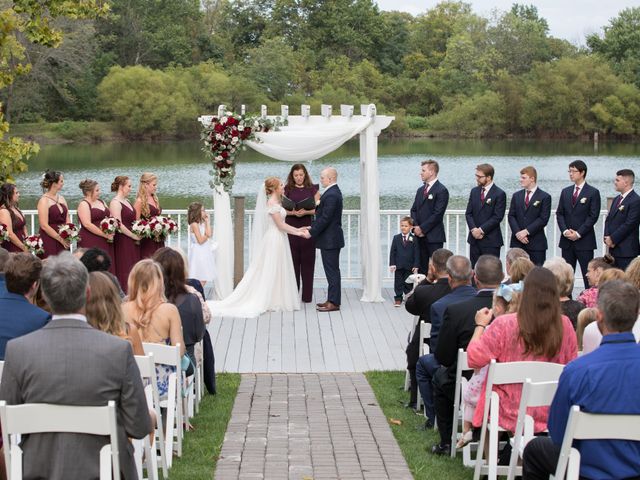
(3,285)
(621,225)
(18,317)
(580,217)
(488,216)
(532,218)
(405,257)
(327,232)
(428,214)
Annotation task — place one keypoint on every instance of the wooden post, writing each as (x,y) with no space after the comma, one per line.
(595,141)
(238,236)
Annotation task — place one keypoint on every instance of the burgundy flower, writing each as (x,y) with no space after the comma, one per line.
(224,154)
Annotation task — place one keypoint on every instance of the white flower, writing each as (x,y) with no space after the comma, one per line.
(621,208)
(536,203)
(583,200)
(488,201)
(430,197)
(256,124)
(234,140)
(240,128)
(218,136)
(223,120)
(218,158)
(411,238)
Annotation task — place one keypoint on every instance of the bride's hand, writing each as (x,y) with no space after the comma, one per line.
(304,233)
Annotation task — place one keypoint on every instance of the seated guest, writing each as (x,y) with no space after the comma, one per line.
(631,274)
(594,269)
(70,363)
(157,320)
(188,304)
(459,272)
(538,332)
(97,260)
(511,256)
(4,258)
(17,315)
(585,318)
(419,303)
(104,311)
(605,381)
(520,267)
(565,277)
(457,327)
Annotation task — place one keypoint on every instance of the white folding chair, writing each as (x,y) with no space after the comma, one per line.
(199,379)
(423,349)
(32,418)
(533,395)
(461,367)
(407,378)
(146,365)
(170,355)
(592,426)
(1,367)
(504,374)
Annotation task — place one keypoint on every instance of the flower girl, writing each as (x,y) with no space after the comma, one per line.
(202,264)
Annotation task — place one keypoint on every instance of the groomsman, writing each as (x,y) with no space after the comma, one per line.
(529,213)
(621,224)
(428,211)
(485,212)
(578,212)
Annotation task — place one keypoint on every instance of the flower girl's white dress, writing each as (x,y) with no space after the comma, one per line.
(270,283)
(202,262)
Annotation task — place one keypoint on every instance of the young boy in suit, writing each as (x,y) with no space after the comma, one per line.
(404,259)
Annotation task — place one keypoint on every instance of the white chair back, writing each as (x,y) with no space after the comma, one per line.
(407,379)
(461,366)
(423,349)
(504,374)
(592,426)
(32,418)
(1,367)
(533,395)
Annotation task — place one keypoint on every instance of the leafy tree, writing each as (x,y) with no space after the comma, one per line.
(619,113)
(272,67)
(621,44)
(480,115)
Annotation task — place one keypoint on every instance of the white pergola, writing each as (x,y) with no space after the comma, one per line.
(307,138)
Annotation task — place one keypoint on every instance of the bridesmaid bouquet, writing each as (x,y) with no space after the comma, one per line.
(141,228)
(4,233)
(161,227)
(68,231)
(109,226)
(34,244)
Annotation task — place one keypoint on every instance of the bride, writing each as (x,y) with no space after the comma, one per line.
(270,282)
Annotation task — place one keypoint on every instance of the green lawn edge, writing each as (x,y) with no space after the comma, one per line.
(414,443)
(201,447)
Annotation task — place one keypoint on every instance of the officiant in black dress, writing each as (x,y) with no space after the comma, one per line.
(301,197)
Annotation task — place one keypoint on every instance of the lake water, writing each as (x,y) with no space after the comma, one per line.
(183,170)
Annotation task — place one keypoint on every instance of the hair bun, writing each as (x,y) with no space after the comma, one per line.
(608,258)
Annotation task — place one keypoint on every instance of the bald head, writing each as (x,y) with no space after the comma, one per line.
(328,176)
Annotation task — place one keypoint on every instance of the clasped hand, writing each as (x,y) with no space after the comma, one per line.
(304,232)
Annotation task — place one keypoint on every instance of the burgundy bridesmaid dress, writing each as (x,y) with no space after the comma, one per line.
(303,250)
(57,217)
(91,240)
(148,246)
(17,224)
(127,252)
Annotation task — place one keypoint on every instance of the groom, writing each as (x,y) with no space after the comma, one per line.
(327,232)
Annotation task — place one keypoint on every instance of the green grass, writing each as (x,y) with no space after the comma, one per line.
(201,447)
(415,444)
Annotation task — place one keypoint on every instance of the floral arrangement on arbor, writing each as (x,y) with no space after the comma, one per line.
(224,139)
(4,233)
(34,244)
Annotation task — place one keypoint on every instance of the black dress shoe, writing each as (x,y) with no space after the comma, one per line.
(428,425)
(439,449)
(410,405)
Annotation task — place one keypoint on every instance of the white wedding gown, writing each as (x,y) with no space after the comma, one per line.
(270,282)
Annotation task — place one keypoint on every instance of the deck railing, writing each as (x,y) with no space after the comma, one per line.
(455,224)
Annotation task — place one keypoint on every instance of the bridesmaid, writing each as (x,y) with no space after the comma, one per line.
(146,206)
(127,244)
(303,250)
(12,217)
(91,211)
(52,212)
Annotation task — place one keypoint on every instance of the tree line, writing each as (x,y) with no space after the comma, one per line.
(152,66)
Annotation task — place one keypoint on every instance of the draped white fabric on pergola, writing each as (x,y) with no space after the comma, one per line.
(307,138)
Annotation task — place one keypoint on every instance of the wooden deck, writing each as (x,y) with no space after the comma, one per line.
(360,337)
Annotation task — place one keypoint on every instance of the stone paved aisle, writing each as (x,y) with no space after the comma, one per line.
(309,427)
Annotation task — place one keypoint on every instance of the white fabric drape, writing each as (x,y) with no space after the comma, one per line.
(223,236)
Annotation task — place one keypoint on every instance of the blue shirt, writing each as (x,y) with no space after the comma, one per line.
(437,310)
(3,285)
(603,381)
(17,318)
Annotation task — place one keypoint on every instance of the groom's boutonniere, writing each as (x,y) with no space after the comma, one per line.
(317,202)
(621,208)
(536,203)
(430,197)
(488,201)
(410,238)
(583,200)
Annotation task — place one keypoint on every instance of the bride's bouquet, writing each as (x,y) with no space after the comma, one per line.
(34,244)
(161,227)
(109,226)
(141,228)
(4,233)
(68,231)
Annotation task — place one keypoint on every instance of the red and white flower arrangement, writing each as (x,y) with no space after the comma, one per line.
(161,227)
(141,228)
(68,231)
(34,244)
(4,233)
(224,139)
(109,226)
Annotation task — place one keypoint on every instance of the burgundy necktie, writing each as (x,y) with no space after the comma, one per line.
(426,190)
(619,202)
(482,195)
(526,199)
(404,241)
(574,199)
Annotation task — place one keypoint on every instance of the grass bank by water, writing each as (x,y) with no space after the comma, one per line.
(413,442)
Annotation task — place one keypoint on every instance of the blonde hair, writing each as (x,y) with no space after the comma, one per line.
(145,180)
(585,317)
(271,184)
(632,273)
(564,275)
(519,269)
(104,311)
(611,274)
(146,290)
